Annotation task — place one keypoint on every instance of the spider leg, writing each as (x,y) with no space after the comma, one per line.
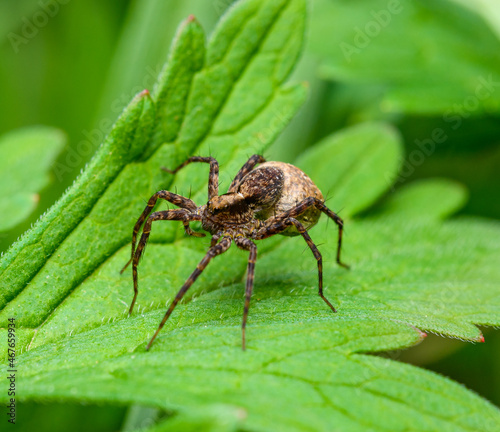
(248,245)
(218,249)
(314,202)
(245,169)
(190,232)
(214,240)
(181,214)
(213,177)
(277,225)
(175,199)
(340,223)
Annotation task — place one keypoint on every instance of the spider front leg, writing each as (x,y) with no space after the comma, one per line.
(247,244)
(245,169)
(276,225)
(180,215)
(175,199)
(218,249)
(213,177)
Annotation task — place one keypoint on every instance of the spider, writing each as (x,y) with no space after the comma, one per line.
(274,198)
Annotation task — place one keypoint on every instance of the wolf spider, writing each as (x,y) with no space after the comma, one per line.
(275,198)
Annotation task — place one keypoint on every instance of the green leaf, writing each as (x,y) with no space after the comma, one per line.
(37,245)
(305,368)
(409,49)
(486,9)
(151,24)
(208,418)
(361,151)
(425,199)
(26,156)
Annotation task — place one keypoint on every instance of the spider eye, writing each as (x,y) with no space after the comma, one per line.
(215,210)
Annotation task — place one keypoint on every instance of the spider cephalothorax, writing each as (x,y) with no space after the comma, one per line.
(275,198)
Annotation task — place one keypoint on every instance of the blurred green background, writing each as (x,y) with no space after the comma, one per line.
(430,68)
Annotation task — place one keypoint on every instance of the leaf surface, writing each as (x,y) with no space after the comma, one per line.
(26,156)
(351,179)
(305,368)
(408,49)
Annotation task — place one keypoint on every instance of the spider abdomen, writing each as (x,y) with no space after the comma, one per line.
(277,187)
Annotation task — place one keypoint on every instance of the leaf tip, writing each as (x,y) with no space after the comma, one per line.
(191,18)
(144,93)
(480,338)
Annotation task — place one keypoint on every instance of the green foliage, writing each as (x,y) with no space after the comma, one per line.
(427,57)
(42,80)
(63,417)
(31,252)
(305,368)
(151,24)
(207,418)
(25,159)
(425,199)
(362,150)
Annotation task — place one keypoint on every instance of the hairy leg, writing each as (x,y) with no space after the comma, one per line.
(248,245)
(320,205)
(180,215)
(213,177)
(218,249)
(215,238)
(175,199)
(245,169)
(190,232)
(278,225)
